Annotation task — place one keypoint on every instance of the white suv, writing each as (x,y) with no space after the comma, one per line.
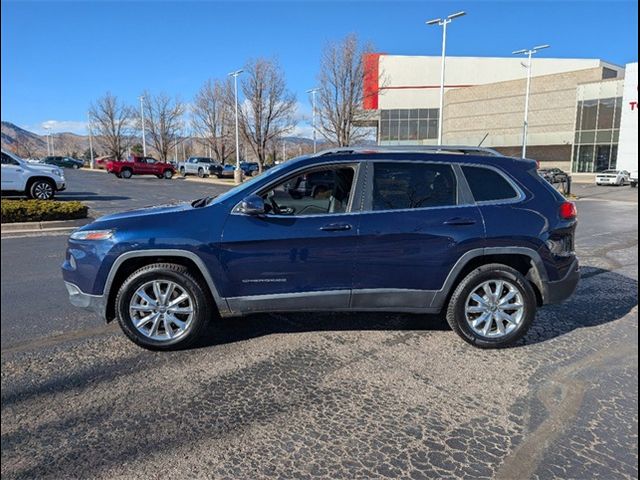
(34,180)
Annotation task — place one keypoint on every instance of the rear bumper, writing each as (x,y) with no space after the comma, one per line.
(93,303)
(559,291)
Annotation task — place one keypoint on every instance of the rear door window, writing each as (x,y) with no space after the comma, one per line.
(401,186)
(487,185)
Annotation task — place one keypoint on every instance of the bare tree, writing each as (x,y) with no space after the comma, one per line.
(114,125)
(213,116)
(341,90)
(163,122)
(268,111)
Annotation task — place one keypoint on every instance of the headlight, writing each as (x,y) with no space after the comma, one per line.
(92,235)
(57,172)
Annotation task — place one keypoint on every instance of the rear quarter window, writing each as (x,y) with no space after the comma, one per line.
(488,185)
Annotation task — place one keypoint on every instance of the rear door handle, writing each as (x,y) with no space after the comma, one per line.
(336,227)
(460,221)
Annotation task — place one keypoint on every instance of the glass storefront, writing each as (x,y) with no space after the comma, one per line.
(597,129)
(408,124)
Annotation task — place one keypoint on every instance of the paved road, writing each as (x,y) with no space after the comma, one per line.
(327,395)
(106,193)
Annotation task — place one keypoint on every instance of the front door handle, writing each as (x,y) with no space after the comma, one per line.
(336,227)
(460,221)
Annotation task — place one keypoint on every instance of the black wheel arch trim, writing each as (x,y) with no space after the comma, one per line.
(539,275)
(221,302)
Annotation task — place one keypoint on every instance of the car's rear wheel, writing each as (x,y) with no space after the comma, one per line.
(162,307)
(126,173)
(42,190)
(492,307)
(168,174)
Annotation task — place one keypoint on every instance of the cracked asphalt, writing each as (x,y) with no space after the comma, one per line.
(327,395)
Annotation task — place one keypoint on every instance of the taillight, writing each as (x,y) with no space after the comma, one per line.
(568,211)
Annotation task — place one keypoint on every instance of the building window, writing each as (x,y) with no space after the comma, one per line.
(597,132)
(408,125)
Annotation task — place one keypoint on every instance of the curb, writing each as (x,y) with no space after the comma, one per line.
(212,181)
(28,227)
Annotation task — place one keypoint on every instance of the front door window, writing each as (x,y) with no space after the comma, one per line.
(316,192)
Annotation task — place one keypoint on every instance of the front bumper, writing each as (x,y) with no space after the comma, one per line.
(559,291)
(93,303)
(61,185)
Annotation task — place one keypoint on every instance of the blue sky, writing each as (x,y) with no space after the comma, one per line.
(59,56)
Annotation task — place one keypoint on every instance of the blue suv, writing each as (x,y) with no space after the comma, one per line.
(480,237)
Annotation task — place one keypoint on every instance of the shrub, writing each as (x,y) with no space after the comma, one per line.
(41,210)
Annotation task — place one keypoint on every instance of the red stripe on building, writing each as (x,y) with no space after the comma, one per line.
(370,87)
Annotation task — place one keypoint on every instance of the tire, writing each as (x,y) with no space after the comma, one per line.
(76,167)
(201,173)
(183,173)
(634,184)
(42,189)
(126,173)
(461,321)
(167,175)
(194,324)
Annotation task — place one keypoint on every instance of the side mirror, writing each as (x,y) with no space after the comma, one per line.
(252,205)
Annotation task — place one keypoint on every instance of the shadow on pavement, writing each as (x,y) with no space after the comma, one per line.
(609,297)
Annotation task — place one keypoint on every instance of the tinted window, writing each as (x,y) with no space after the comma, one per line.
(7,160)
(312,193)
(487,185)
(413,185)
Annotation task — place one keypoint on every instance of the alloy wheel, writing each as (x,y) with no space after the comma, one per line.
(43,191)
(161,310)
(495,309)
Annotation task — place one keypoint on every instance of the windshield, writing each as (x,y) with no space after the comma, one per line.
(246,185)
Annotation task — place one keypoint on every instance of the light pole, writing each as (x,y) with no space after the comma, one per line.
(443,23)
(525,126)
(237,174)
(92,164)
(313,92)
(48,129)
(284,150)
(144,142)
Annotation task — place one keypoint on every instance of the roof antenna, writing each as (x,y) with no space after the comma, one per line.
(483,139)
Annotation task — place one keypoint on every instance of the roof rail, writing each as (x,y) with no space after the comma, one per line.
(451,149)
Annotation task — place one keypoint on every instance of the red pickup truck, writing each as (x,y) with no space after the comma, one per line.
(140,166)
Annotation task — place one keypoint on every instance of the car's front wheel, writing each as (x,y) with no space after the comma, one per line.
(492,307)
(42,190)
(126,173)
(163,307)
(168,174)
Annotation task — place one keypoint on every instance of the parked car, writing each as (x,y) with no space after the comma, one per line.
(65,162)
(227,171)
(101,162)
(613,177)
(484,239)
(140,166)
(34,180)
(249,168)
(633,179)
(554,175)
(201,166)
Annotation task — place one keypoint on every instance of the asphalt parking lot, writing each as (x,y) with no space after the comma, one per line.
(321,395)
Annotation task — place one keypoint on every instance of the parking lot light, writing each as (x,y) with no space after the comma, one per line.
(443,23)
(313,92)
(237,174)
(144,143)
(525,127)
